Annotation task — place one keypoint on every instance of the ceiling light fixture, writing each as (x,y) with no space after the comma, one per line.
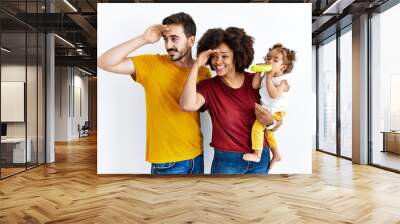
(70,5)
(64,40)
(84,71)
(5,49)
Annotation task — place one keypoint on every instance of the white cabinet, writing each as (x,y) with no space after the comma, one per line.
(18,149)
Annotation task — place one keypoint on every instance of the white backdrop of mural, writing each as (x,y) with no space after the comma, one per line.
(121,103)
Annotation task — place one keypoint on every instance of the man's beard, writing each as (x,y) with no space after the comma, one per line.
(179,55)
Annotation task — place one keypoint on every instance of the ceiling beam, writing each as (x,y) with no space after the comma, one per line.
(84,24)
(337,6)
(85,61)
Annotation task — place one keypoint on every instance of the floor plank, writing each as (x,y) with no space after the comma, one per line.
(70,191)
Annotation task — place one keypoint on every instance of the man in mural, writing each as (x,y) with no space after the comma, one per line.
(174,140)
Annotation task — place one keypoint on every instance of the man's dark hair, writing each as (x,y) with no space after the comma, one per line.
(189,27)
(237,40)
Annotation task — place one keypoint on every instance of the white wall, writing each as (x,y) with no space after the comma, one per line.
(33,127)
(80,104)
(121,105)
(12,100)
(17,73)
(61,103)
(68,81)
(14,72)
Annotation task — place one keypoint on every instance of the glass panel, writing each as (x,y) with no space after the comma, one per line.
(346,94)
(327,97)
(13,89)
(31,101)
(23,88)
(32,70)
(41,98)
(386,89)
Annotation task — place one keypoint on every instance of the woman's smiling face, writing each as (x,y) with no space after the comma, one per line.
(222,61)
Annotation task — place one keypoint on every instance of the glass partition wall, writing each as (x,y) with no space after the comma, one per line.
(327,96)
(13,110)
(22,77)
(346,93)
(385,90)
(334,81)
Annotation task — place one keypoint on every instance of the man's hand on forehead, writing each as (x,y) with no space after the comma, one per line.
(154,32)
(163,29)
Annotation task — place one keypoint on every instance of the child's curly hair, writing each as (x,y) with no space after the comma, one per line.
(289,56)
(237,40)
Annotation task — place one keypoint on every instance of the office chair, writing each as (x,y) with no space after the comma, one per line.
(84,130)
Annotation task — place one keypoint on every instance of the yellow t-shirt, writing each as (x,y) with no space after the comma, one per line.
(172,135)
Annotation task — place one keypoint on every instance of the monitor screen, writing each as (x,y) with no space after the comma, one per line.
(3,129)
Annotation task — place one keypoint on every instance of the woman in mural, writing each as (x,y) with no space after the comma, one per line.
(230,99)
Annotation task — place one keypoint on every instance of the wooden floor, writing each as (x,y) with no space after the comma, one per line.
(387,159)
(70,191)
(10,171)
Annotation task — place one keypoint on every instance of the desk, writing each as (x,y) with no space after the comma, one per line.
(391,141)
(15,148)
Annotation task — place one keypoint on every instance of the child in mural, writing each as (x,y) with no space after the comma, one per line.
(274,88)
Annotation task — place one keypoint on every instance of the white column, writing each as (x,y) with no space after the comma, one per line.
(50,92)
(50,100)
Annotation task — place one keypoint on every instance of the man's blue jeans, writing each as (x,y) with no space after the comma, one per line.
(191,166)
(232,163)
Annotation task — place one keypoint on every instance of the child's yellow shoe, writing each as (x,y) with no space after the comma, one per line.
(261,68)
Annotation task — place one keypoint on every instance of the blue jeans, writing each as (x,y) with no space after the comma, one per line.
(232,163)
(190,166)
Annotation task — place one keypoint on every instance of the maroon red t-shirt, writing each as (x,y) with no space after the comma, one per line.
(231,111)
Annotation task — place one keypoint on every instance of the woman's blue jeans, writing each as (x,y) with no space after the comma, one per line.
(232,163)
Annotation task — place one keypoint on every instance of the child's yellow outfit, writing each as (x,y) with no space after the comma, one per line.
(257,133)
(278,106)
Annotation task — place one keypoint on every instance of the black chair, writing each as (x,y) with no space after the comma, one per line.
(84,130)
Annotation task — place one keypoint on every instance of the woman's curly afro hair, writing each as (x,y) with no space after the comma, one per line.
(237,40)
